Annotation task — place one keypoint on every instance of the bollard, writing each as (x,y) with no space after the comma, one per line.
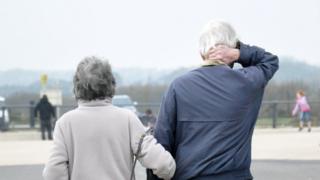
(319,119)
(32,118)
(2,121)
(274,115)
(58,112)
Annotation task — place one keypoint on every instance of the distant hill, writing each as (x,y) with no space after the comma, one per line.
(18,80)
(22,77)
(294,70)
(290,70)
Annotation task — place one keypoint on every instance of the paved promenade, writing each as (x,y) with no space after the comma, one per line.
(281,154)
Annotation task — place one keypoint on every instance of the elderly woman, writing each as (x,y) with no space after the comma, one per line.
(98,140)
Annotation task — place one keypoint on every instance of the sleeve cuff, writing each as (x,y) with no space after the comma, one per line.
(244,54)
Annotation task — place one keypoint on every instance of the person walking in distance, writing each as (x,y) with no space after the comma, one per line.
(149,119)
(303,107)
(46,111)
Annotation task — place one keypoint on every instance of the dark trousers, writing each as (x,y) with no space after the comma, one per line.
(46,126)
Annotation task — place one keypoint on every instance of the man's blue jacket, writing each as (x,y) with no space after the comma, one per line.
(207,117)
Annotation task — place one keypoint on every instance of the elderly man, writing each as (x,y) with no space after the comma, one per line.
(207,116)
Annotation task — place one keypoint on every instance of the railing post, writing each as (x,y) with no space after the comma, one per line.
(274,114)
(58,111)
(318,117)
(32,118)
(2,120)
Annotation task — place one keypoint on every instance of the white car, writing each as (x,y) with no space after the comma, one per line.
(124,101)
(4,115)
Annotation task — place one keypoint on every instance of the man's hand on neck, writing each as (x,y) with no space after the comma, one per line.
(223,53)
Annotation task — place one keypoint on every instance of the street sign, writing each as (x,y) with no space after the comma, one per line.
(54,96)
(43,79)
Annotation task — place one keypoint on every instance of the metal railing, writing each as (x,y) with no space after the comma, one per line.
(272,114)
(278,114)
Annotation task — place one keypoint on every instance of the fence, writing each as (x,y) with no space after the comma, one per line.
(22,116)
(272,114)
(278,114)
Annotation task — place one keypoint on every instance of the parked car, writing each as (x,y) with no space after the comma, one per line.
(4,115)
(124,101)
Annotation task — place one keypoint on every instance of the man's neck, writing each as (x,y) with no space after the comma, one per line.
(212,62)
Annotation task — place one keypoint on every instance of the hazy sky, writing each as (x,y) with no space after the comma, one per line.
(57,34)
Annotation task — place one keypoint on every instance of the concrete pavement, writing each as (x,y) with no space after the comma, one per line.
(286,144)
(280,153)
(20,148)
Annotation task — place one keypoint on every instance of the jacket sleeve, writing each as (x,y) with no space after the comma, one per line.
(166,124)
(57,165)
(259,65)
(152,156)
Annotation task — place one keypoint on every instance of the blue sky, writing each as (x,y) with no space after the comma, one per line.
(56,35)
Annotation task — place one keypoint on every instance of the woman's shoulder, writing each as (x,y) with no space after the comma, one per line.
(76,114)
(67,116)
(125,112)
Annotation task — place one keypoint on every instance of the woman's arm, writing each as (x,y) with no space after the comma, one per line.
(152,156)
(57,165)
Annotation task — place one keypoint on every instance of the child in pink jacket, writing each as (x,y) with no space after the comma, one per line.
(303,107)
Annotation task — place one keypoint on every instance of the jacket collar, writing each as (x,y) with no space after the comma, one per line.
(93,103)
(212,62)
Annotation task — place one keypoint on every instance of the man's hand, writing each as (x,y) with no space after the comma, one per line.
(224,53)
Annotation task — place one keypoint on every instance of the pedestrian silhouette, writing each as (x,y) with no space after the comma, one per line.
(46,111)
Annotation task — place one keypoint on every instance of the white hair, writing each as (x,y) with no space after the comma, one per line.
(217,33)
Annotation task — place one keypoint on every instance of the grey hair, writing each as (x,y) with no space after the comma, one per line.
(217,33)
(93,80)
